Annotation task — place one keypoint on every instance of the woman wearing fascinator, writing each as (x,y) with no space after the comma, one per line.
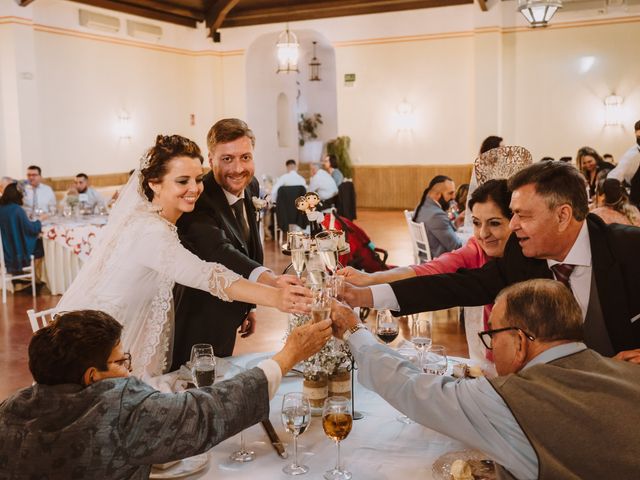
(132,271)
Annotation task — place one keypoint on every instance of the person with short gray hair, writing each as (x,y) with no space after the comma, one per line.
(322,183)
(553,236)
(557,409)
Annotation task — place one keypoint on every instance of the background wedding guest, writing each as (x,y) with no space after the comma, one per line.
(553,236)
(491,142)
(628,169)
(37,194)
(86,418)
(556,410)
(462,193)
(608,158)
(4,181)
(589,162)
(20,236)
(432,211)
(289,179)
(83,193)
(613,204)
(324,185)
(330,164)
(222,228)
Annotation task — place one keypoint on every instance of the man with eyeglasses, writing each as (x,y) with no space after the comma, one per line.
(86,418)
(557,410)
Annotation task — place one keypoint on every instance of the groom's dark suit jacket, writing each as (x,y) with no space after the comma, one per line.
(615,254)
(212,233)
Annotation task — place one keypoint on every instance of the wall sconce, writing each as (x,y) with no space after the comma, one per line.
(613,111)
(405,119)
(125,127)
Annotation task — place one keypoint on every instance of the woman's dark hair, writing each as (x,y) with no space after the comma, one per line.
(167,148)
(588,151)
(333,161)
(11,194)
(434,181)
(62,351)
(461,196)
(490,143)
(495,190)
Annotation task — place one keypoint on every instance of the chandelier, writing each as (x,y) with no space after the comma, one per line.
(288,52)
(538,12)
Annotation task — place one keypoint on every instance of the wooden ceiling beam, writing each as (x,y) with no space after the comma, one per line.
(217,14)
(483,5)
(240,17)
(142,12)
(24,3)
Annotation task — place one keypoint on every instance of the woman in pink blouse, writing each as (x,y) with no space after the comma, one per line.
(489,205)
(613,204)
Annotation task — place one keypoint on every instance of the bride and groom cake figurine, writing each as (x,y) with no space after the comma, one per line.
(307,203)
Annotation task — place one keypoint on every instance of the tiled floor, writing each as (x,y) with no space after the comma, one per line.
(387,230)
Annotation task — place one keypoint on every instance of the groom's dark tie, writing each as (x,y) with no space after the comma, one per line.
(242,223)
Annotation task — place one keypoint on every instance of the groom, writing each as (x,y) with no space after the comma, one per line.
(222,228)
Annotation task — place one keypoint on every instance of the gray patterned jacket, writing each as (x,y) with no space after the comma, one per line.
(117,428)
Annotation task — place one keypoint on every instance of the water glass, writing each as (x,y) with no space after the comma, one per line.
(296,416)
(420,335)
(337,420)
(435,361)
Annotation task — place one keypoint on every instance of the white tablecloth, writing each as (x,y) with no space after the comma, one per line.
(379,447)
(67,244)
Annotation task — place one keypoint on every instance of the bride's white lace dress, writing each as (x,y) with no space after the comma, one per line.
(131,274)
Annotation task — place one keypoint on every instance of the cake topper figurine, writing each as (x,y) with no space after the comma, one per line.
(308,204)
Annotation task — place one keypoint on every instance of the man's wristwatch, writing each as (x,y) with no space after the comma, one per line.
(352,330)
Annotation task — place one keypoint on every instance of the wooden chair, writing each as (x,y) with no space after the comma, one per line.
(419,240)
(41,319)
(6,277)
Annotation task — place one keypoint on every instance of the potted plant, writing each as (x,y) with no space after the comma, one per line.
(340,148)
(308,127)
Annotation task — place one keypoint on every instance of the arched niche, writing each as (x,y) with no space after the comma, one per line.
(275,101)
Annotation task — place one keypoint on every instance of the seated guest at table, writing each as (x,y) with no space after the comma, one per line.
(330,164)
(553,236)
(613,203)
(323,184)
(38,196)
(85,417)
(489,207)
(556,410)
(20,236)
(82,193)
(290,179)
(432,211)
(589,162)
(462,194)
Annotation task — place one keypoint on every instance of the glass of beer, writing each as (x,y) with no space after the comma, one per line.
(203,365)
(337,420)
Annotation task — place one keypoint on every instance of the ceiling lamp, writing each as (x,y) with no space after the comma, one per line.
(538,12)
(314,67)
(288,52)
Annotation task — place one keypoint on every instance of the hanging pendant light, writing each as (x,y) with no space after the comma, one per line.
(314,66)
(538,12)
(288,52)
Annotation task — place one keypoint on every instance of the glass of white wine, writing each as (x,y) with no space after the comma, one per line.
(203,365)
(296,416)
(337,421)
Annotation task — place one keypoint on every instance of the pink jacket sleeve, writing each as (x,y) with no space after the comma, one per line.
(468,256)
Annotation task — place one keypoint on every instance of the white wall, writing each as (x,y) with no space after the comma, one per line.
(466,74)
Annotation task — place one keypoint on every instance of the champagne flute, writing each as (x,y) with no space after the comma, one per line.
(296,416)
(321,304)
(328,250)
(386,326)
(435,361)
(336,423)
(336,285)
(203,365)
(296,246)
(420,335)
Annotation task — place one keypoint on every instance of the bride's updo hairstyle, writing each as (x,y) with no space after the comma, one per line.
(156,161)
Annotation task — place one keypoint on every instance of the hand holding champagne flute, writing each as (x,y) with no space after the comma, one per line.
(337,421)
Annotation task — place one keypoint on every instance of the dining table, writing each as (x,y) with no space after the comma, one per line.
(379,446)
(68,242)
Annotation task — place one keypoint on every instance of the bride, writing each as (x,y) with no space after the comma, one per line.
(131,273)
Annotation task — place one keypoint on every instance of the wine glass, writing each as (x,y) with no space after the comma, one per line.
(203,365)
(386,326)
(336,423)
(420,335)
(328,250)
(435,361)
(296,416)
(336,286)
(321,304)
(296,247)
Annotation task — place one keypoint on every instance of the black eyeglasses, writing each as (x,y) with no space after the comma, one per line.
(123,362)
(487,335)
